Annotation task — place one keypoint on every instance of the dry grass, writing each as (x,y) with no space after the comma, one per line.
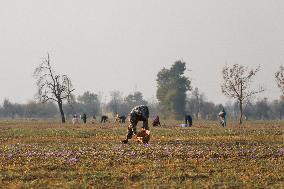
(51,155)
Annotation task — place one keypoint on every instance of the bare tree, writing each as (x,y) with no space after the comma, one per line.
(52,86)
(198,99)
(237,80)
(279,75)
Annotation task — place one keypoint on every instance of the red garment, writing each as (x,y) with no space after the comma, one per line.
(156,121)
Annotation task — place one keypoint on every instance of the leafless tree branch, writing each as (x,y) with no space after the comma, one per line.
(52,86)
(236,84)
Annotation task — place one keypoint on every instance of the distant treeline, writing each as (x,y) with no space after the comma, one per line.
(261,109)
(175,97)
(90,103)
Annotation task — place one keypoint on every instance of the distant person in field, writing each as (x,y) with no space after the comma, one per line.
(116,117)
(75,119)
(138,113)
(188,120)
(104,118)
(223,117)
(94,119)
(84,118)
(122,119)
(156,121)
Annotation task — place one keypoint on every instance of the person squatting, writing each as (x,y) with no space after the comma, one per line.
(156,122)
(104,118)
(120,119)
(138,113)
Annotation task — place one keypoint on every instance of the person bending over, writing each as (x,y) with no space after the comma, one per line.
(138,113)
(156,122)
(122,119)
(104,118)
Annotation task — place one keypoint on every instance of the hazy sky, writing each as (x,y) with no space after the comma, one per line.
(106,45)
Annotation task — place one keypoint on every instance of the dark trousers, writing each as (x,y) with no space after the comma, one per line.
(188,120)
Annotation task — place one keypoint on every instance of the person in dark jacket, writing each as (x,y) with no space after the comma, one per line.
(138,113)
(121,119)
(104,118)
(188,120)
(84,118)
(156,121)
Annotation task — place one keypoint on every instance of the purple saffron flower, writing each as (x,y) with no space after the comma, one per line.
(167,151)
(146,145)
(31,154)
(72,160)
(280,152)
(9,156)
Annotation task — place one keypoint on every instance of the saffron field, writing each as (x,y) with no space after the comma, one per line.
(37,154)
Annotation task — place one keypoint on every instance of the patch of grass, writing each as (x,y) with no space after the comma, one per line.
(52,155)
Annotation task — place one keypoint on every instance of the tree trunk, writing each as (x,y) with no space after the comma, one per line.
(241,103)
(61,111)
(241,112)
(197,113)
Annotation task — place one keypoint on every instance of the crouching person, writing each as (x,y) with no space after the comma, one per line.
(104,118)
(122,119)
(156,121)
(138,113)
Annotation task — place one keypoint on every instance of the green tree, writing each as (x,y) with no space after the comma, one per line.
(9,108)
(195,103)
(135,99)
(115,102)
(277,107)
(172,88)
(90,103)
(262,109)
